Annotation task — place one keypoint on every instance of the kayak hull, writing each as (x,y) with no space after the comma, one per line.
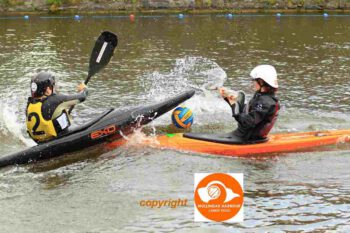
(110,126)
(278,143)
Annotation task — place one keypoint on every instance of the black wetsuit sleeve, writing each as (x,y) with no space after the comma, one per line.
(255,116)
(56,103)
(232,106)
(81,96)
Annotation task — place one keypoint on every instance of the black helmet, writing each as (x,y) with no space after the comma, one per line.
(40,82)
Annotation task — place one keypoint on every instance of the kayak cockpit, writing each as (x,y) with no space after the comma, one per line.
(227,138)
(78,128)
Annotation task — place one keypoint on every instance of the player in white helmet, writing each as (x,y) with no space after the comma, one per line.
(255,119)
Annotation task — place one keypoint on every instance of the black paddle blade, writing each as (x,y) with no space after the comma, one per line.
(102,53)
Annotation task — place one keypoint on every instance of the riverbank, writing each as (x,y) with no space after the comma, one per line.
(171,6)
(175,11)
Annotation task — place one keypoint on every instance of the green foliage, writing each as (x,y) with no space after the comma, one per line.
(198,3)
(71,2)
(271,2)
(4,2)
(9,3)
(56,2)
(207,3)
(320,2)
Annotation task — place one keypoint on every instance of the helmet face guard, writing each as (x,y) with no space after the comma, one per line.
(40,83)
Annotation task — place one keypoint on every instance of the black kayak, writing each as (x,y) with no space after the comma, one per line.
(109,126)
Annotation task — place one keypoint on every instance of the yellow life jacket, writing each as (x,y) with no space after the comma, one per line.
(40,129)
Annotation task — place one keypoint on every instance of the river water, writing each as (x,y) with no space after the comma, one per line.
(99,191)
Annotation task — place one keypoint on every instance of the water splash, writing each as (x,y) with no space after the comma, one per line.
(188,73)
(10,124)
(138,138)
(199,73)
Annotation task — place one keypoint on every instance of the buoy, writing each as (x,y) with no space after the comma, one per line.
(278,15)
(325,15)
(229,16)
(77,17)
(132,17)
(26,17)
(181,16)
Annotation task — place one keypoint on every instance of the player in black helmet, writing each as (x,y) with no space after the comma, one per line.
(47,112)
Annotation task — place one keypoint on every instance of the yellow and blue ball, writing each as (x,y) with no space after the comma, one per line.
(182,117)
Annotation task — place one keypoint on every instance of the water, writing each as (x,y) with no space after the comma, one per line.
(99,191)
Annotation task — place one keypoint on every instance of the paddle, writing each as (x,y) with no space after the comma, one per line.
(101,55)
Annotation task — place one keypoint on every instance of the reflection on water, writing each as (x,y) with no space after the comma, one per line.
(157,57)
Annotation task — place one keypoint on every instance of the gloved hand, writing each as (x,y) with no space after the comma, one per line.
(81,87)
(230,95)
(222,91)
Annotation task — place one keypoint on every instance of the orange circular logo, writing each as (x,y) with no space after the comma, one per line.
(219,197)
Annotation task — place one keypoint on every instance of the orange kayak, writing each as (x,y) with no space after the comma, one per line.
(277,143)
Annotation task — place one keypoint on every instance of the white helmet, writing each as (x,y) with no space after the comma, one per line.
(267,73)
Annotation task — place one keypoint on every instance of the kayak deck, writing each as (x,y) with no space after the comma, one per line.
(278,143)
